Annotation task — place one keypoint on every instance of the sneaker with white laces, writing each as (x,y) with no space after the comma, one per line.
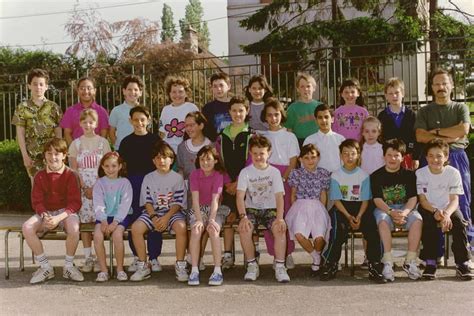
(122,276)
(411,268)
(202,266)
(281,275)
(315,267)
(42,274)
(216,279)
(193,278)
(156,266)
(290,263)
(180,270)
(227,261)
(72,273)
(88,265)
(133,266)
(102,277)
(365,264)
(143,272)
(387,272)
(253,272)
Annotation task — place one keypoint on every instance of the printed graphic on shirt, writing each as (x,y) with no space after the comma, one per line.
(260,190)
(350,193)
(396,194)
(349,121)
(175,128)
(221,121)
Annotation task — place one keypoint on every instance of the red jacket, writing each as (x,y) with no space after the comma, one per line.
(54,191)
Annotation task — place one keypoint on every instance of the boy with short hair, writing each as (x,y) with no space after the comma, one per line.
(56,199)
(439,187)
(163,195)
(136,150)
(261,186)
(217,111)
(398,122)
(119,119)
(394,193)
(37,122)
(325,139)
(350,191)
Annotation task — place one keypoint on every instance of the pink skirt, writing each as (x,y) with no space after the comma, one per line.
(308,217)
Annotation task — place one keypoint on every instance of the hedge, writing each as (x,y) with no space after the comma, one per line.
(15,186)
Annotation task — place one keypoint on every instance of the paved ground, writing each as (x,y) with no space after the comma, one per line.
(162,294)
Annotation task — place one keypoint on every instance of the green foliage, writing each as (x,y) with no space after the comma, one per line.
(193,17)
(169,31)
(15,184)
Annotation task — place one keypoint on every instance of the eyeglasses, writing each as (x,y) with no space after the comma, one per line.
(86,88)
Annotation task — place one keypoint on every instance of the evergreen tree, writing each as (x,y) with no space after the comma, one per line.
(193,18)
(168,28)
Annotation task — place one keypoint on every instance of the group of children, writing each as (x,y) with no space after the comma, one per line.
(300,174)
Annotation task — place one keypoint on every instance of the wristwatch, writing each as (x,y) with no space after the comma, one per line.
(389,212)
(242,215)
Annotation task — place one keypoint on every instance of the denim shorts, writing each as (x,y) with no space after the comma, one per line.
(382,216)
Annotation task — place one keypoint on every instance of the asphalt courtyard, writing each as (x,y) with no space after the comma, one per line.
(162,294)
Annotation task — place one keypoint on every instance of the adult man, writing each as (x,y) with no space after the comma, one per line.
(449,121)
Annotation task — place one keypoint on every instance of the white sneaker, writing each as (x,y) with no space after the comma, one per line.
(156,266)
(470,264)
(193,278)
(72,273)
(122,276)
(181,273)
(143,272)
(133,266)
(202,266)
(88,265)
(102,277)
(411,268)
(281,275)
(387,272)
(253,272)
(227,261)
(290,263)
(42,275)
(315,267)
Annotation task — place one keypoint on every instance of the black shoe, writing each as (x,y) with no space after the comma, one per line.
(328,271)
(375,272)
(429,273)
(463,271)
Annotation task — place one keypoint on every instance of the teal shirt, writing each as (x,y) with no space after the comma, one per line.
(301,119)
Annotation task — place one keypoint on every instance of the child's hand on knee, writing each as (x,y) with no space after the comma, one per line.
(280,225)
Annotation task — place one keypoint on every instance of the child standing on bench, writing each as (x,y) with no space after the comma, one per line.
(56,199)
(112,204)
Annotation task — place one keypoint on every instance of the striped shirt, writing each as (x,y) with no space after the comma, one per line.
(163,191)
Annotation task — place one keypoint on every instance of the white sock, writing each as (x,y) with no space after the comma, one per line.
(316,256)
(87,252)
(279,263)
(43,261)
(195,269)
(69,261)
(217,270)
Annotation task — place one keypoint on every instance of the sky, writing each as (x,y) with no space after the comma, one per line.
(43,30)
(46,29)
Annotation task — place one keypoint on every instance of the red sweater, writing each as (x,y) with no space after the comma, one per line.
(54,191)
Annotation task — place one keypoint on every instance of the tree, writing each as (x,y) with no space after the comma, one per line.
(168,27)
(193,18)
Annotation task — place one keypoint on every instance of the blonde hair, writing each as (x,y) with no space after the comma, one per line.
(394,82)
(89,113)
(307,77)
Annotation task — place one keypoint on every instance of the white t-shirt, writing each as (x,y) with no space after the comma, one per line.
(172,122)
(284,146)
(260,186)
(438,187)
(328,145)
(372,157)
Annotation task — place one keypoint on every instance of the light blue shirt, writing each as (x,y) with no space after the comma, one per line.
(119,119)
(351,185)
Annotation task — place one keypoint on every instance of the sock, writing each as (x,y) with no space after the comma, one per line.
(181,263)
(256,246)
(69,261)
(87,252)
(387,257)
(431,262)
(252,261)
(195,269)
(140,264)
(411,256)
(316,257)
(217,270)
(279,263)
(43,261)
(227,254)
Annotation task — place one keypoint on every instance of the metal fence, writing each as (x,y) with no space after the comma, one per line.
(330,66)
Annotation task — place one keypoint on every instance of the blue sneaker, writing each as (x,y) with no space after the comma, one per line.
(193,278)
(216,279)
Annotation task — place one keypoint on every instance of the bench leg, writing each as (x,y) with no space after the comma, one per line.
(352,255)
(346,254)
(446,249)
(22,253)
(7,268)
(111,256)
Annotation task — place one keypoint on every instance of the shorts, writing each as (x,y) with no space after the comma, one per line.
(382,216)
(222,213)
(264,217)
(145,218)
(110,219)
(54,213)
